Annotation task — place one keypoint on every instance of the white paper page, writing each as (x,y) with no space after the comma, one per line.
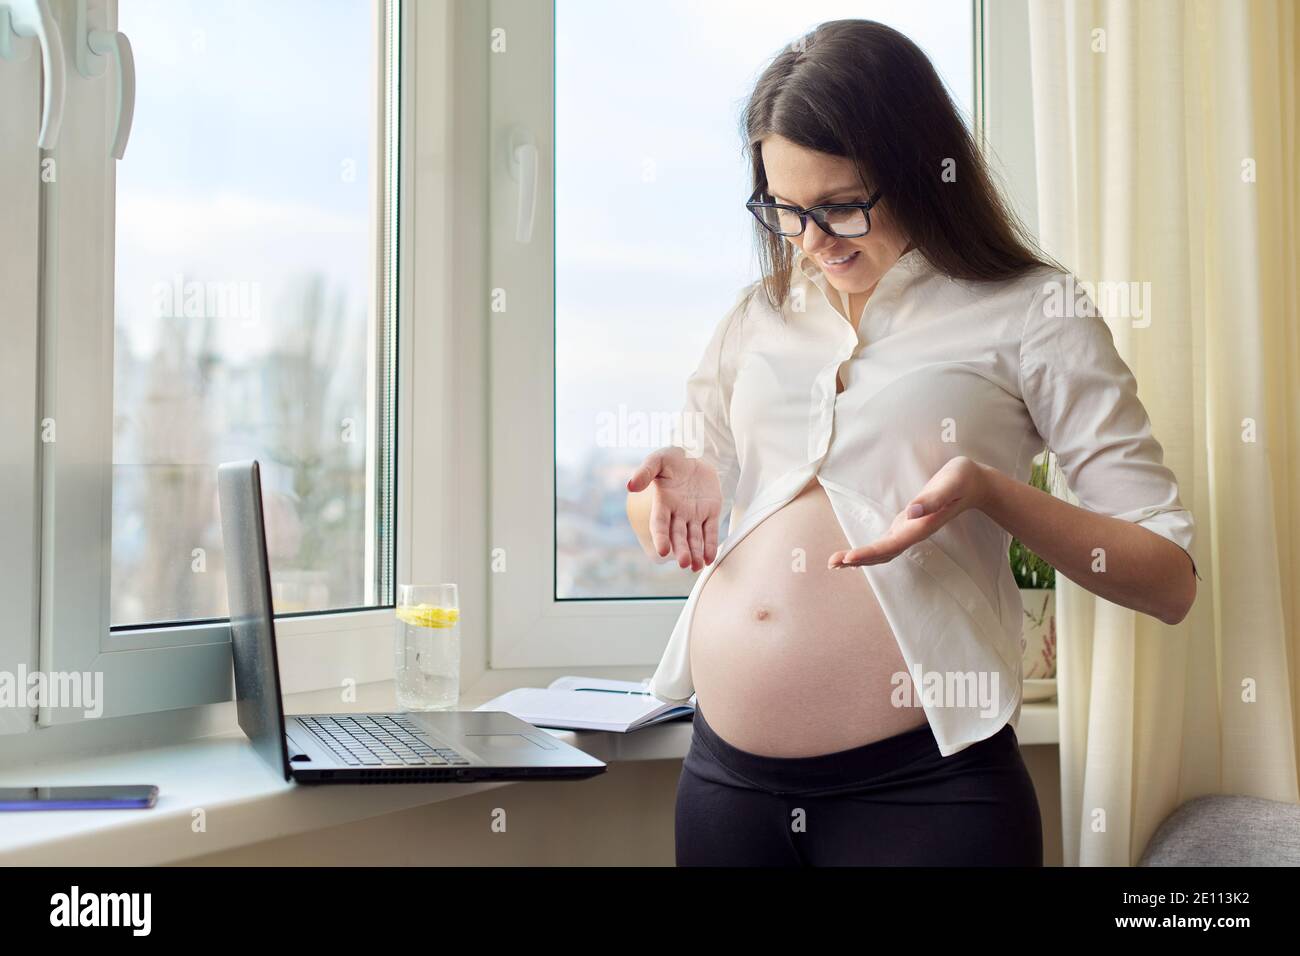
(538,706)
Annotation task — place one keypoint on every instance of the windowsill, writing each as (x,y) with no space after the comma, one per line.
(244,802)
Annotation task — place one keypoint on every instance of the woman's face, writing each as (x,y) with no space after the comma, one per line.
(803,177)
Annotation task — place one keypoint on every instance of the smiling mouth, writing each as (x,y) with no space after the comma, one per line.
(842,260)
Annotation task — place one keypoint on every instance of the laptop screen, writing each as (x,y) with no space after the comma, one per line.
(252,626)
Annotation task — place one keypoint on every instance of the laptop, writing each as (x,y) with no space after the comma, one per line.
(416,747)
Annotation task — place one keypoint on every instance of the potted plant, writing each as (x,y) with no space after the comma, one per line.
(1036,580)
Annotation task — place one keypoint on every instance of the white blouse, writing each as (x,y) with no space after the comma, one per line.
(938,368)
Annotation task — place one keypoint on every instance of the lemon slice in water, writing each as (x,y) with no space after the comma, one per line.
(428,615)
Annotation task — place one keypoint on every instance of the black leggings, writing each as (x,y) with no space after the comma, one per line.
(893,802)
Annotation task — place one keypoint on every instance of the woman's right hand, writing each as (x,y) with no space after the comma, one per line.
(685,507)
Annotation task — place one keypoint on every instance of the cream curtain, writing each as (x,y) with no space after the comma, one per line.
(1166,138)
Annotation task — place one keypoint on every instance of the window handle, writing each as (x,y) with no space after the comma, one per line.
(92,46)
(116,45)
(523,170)
(28,19)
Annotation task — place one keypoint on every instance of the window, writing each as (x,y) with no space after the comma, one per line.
(249,318)
(609,303)
(225,290)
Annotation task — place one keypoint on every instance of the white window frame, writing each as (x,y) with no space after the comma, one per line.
(442,444)
(20,172)
(1004,104)
(529,627)
(167,667)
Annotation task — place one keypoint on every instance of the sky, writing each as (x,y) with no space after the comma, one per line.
(249,155)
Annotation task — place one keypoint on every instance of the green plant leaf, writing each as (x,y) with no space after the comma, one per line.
(1029,569)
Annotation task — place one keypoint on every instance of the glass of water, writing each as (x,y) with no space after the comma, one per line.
(428,647)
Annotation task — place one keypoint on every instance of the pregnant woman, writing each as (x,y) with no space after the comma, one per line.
(870,409)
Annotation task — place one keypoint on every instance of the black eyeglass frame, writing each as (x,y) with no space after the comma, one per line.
(818,214)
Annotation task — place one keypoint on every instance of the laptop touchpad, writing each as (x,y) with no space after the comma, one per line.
(503,741)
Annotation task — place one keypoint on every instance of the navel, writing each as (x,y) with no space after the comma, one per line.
(761,613)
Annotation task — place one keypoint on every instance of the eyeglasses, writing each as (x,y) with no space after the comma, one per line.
(845,220)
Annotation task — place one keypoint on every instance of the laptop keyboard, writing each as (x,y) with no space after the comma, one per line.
(380,740)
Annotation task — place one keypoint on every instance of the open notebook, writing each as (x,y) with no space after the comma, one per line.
(588,703)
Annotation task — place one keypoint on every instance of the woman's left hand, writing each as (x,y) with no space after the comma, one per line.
(956,487)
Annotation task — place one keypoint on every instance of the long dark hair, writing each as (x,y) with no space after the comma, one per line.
(859,89)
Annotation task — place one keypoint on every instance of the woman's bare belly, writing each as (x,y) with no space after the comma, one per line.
(790,663)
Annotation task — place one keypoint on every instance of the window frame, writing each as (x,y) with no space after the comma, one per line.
(1004,105)
(20,422)
(530,628)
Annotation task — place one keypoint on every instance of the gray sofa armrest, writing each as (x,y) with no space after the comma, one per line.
(1227,830)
